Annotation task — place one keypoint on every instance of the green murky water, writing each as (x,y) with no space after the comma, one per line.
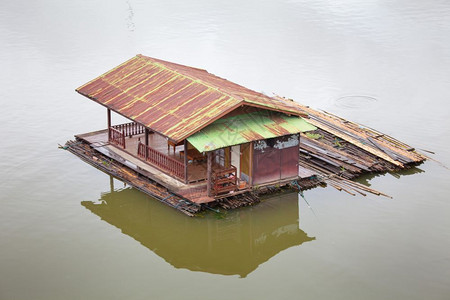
(66,234)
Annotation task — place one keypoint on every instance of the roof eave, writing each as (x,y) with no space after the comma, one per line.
(117,112)
(285,111)
(209,122)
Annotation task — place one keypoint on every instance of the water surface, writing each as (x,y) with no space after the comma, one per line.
(65,234)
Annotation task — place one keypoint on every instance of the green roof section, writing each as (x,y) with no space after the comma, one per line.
(245,128)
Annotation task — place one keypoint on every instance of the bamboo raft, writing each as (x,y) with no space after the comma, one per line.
(131,177)
(338,151)
(86,153)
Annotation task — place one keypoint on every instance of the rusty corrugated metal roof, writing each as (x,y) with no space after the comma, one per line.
(172,99)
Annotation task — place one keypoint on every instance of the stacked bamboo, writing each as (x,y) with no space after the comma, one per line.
(340,157)
(246,199)
(340,150)
(348,186)
(379,144)
(309,183)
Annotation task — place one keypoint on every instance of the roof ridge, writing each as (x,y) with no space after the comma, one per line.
(169,62)
(213,87)
(166,65)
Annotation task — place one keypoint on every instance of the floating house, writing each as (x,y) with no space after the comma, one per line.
(200,136)
(196,139)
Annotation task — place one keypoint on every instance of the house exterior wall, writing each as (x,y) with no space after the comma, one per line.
(275,159)
(245,164)
(236,158)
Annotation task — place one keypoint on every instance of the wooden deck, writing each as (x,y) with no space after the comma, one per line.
(196,170)
(194,191)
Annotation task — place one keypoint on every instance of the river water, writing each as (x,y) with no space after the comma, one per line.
(68,232)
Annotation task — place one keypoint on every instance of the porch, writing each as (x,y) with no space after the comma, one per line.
(159,152)
(165,162)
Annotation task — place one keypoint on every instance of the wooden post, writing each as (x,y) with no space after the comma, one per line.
(209,173)
(298,150)
(111,183)
(146,142)
(108,117)
(185,162)
(250,164)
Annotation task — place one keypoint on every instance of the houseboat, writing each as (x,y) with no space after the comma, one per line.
(195,139)
(200,136)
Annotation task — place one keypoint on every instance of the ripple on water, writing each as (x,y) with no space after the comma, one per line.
(356,102)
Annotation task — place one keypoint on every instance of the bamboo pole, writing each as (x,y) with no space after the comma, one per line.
(355,142)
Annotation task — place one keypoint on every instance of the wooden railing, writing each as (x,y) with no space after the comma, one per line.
(130,129)
(224,180)
(162,161)
(116,137)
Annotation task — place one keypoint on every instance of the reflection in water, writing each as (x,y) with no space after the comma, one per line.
(364,179)
(236,244)
(407,172)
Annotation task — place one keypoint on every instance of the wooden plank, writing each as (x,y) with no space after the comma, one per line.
(362,132)
(391,153)
(338,154)
(305,173)
(355,142)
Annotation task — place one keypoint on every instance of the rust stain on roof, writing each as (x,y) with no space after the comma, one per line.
(172,99)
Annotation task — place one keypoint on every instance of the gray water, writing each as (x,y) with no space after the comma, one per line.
(67,233)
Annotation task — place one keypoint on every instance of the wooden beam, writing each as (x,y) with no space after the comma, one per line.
(185,162)
(108,115)
(209,173)
(298,151)
(108,118)
(146,142)
(250,164)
